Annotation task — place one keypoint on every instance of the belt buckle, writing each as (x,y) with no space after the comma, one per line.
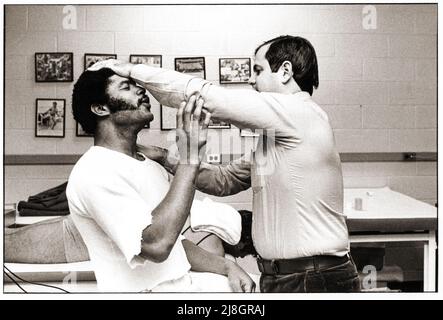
(274,266)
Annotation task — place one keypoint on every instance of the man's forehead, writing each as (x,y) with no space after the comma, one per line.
(260,55)
(116,79)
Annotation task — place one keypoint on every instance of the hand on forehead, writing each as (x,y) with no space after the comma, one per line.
(122,68)
(109,63)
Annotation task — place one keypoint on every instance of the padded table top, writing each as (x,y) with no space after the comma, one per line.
(386,210)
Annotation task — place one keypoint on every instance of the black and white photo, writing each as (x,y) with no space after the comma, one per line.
(54,67)
(265,148)
(150,60)
(50,118)
(168,120)
(235,70)
(92,58)
(192,66)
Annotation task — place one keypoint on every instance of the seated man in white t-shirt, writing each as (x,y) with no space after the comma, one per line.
(123,204)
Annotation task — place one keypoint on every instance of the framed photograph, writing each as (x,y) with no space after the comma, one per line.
(248,133)
(216,124)
(50,118)
(235,70)
(150,60)
(91,58)
(168,120)
(192,66)
(79,132)
(54,67)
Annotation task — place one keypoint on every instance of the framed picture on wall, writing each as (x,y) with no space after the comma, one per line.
(168,120)
(79,132)
(50,118)
(215,124)
(91,58)
(54,67)
(150,60)
(192,66)
(234,70)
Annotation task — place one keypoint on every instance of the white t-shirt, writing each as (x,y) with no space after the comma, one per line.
(111,197)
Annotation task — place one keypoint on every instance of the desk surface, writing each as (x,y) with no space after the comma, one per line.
(386,210)
(379,203)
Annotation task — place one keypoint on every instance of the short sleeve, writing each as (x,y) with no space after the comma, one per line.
(121,213)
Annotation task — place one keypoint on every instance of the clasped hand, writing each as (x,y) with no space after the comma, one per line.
(192,130)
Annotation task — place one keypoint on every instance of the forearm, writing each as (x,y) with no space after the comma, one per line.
(204,261)
(243,108)
(222,180)
(167,86)
(170,215)
(218,180)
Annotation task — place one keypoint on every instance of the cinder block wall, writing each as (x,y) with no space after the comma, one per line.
(378,86)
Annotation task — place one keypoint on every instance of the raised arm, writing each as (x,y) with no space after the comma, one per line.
(170,215)
(243,108)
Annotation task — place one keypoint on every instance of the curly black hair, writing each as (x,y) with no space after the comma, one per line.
(245,246)
(90,89)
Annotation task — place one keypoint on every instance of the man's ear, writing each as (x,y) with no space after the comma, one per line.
(100,110)
(286,72)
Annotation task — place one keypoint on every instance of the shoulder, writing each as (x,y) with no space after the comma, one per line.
(95,167)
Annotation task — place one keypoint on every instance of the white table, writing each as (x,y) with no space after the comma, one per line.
(389,216)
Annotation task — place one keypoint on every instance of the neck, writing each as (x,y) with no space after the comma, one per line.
(117,139)
(292,87)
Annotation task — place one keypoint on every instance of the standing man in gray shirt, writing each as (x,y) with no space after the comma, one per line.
(299,229)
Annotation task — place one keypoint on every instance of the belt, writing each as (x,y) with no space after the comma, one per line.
(288,266)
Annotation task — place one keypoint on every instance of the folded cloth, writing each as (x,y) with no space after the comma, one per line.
(50,192)
(37,213)
(218,218)
(61,206)
(51,196)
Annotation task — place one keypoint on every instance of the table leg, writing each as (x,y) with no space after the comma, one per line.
(429,262)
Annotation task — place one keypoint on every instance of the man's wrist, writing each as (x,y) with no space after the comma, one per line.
(130,68)
(227,266)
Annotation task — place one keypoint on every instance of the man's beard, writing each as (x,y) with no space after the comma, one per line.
(119,107)
(116,105)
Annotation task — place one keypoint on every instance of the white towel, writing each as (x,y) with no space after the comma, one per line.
(218,218)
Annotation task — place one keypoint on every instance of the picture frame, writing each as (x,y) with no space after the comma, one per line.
(54,67)
(168,120)
(234,70)
(91,58)
(194,66)
(50,117)
(154,60)
(79,132)
(248,133)
(216,124)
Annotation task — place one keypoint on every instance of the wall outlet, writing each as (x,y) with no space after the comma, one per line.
(213,158)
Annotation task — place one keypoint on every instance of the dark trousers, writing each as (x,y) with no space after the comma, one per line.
(339,278)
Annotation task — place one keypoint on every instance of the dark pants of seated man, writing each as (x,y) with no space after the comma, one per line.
(319,276)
